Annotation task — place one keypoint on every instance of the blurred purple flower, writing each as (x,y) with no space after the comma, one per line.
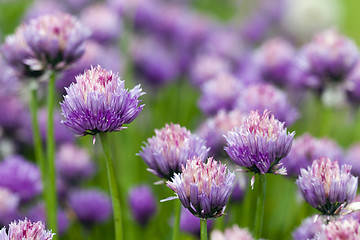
(219,93)
(21,177)
(52,41)
(265,96)
(330,55)
(9,203)
(155,61)
(26,230)
(15,111)
(99,102)
(103,21)
(353,158)
(43,7)
(275,58)
(352,85)
(191,224)
(203,188)
(38,213)
(232,233)
(259,144)
(240,188)
(74,163)
(308,228)
(170,148)
(142,204)
(206,67)
(306,149)
(326,186)
(213,129)
(90,206)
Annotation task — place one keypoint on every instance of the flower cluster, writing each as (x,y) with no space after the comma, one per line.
(169,149)
(26,230)
(259,144)
(203,188)
(98,102)
(326,186)
(52,41)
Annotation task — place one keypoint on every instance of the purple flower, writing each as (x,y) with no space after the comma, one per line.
(26,230)
(74,163)
(275,58)
(50,41)
(265,96)
(232,233)
(9,203)
(203,188)
(155,61)
(220,92)
(326,186)
(15,110)
(142,203)
(98,102)
(330,55)
(21,177)
(214,128)
(340,229)
(38,213)
(306,149)
(169,149)
(191,224)
(90,206)
(206,67)
(308,228)
(260,143)
(103,21)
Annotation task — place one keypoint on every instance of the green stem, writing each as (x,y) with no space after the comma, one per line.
(176,229)
(203,229)
(50,146)
(259,215)
(39,153)
(114,191)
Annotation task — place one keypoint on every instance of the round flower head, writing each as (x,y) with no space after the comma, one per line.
(265,96)
(330,55)
(98,102)
(74,163)
(218,93)
(203,188)
(142,203)
(259,144)
(308,228)
(21,177)
(326,186)
(275,58)
(171,146)
(233,233)
(9,203)
(50,41)
(348,229)
(214,128)
(103,22)
(24,230)
(306,149)
(90,206)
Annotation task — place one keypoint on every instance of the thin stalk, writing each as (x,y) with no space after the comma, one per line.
(203,229)
(114,191)
(39,152)
(176,228)
(50,147)
(259,215)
